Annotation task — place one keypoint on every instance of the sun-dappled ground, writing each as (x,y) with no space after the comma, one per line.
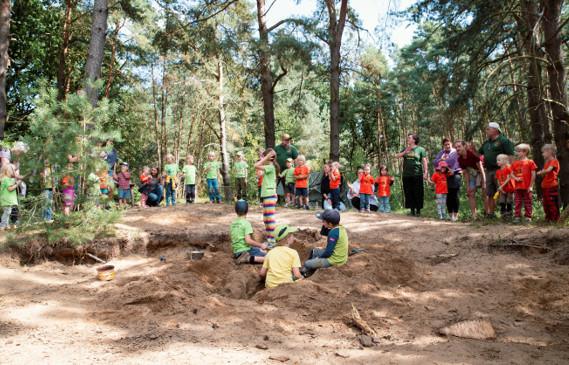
(415,276)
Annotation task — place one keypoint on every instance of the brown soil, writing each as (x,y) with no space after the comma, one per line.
(415,277)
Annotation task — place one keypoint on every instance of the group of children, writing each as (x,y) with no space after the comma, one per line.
(281,263)
(515,181)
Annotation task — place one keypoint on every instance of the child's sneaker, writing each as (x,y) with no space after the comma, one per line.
(527,220)
(286,205)
(368,211)
(243,258)
(516,220)
(306,207)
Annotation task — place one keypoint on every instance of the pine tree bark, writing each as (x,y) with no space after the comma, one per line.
(4,60)
(96,49)
(223,132)
(267,90)
(336,26)
(62,77)
(556,75)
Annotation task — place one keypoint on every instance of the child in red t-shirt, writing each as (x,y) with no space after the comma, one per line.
(366,189)
(549,184)
(383,185)
(335,182)
(301,175)
(145,178)
(439,179)
(506,188)
(523,174)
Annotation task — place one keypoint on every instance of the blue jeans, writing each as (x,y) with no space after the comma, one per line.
(6,213)
(315,261)
(384,204)
(155,196)
(47,209)
(213,190)
(364,201)
(335,197)
(253,251)
(124,194)
(170,194)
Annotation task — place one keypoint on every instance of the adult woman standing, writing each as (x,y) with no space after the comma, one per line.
(473,172)
(415,171)
(450,156)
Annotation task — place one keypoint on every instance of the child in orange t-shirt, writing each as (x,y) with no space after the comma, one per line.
(439,179)
(506,186)
(523,174)
(145,178)
(366,189)
(301,175)
(549,184)
(335,182)
(383,185)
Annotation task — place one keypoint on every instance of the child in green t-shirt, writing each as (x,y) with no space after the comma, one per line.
(211,169)
(189,171)
(290,181)
(171,170)
(240,170)
(8,194)
(245,248)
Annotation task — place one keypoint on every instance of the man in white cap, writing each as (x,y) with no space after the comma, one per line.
(495,145)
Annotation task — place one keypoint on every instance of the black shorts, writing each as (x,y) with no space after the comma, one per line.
(301,191)
(289,188)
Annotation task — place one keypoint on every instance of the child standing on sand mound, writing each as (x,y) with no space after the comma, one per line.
(336,251)
(245,249)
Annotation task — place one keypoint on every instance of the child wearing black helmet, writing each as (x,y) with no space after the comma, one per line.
(336,251)
(245,248)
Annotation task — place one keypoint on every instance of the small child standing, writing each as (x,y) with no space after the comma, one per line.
(549,184)
(189,171)
(123,181)
(145,178)
(335,182)
(269,192)
(211,169)
(171,171)
(366,189)
(282,263)
(383,183)
(505,185)
(301,175)
(288,176)
(8,194)
(523,174)
(245,248)
(240,169)
(68,190)
(439,179)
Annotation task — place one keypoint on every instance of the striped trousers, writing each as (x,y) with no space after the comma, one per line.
(269,210)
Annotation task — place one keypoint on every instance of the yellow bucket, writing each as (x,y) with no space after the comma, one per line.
(106,273)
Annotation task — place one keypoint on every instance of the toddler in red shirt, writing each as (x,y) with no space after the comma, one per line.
(549,184)
(506,188)
(335,182)
(383,185)
(301,175)
(523,174)
(145,178)
(439,179)
(366,189)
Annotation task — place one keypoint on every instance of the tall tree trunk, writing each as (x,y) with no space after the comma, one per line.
(113,61)
(267,89)
(223,132)
(157,137)
(335,31)
(534,81)
(4,60)
(96,49)
(62,76)
(163,109)
(556,74)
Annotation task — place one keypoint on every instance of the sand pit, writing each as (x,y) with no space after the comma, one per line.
(414,278)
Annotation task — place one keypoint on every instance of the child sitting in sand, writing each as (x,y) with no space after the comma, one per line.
(336,251)
(245,248)
(282,263)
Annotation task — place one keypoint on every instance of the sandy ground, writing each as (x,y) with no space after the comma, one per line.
(416,276)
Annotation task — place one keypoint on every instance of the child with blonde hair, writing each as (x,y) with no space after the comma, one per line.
(335,181)
(549,184)
(189,171)
(506,186)
(523,174)
(8,194)
(211,169)
(123,181)
(301,175)
(145,178)
(170,175)
(240,170)
(289,180)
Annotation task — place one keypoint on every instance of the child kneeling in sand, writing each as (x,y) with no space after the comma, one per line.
(336,251)
(245,248)
(282,263)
